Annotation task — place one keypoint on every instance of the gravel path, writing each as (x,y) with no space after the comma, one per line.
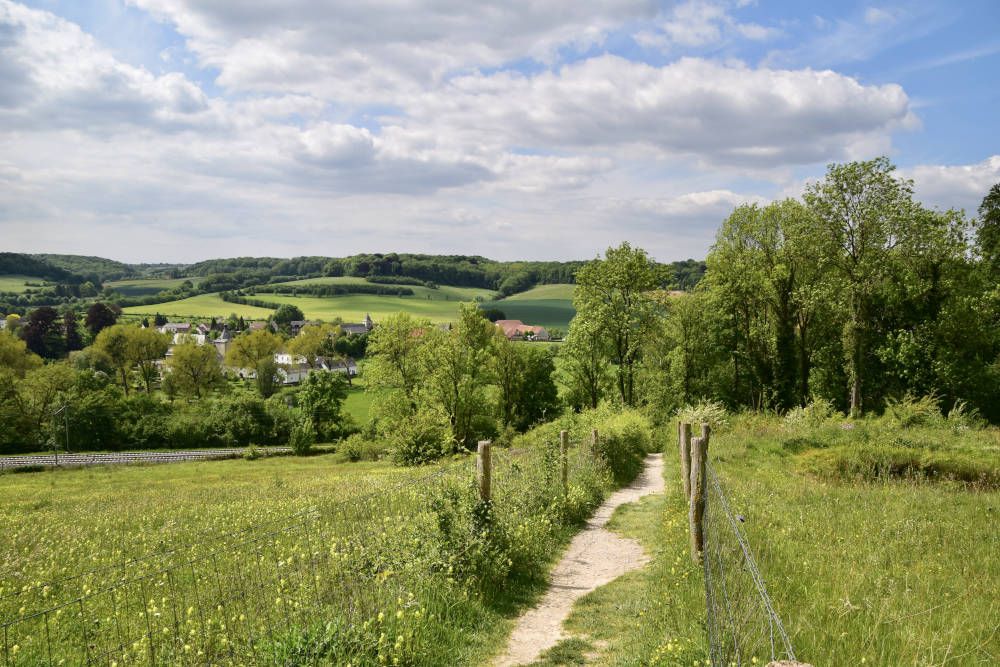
(74,460)
(595,557)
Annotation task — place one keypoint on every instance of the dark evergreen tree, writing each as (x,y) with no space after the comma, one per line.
(71,331)
(100,316)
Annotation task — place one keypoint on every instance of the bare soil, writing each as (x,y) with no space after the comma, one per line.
(595,557)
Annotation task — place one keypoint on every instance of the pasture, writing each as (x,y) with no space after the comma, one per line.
(557,292)
(550,306)
(200,306)
(17,284)
(354,307)
(147,286)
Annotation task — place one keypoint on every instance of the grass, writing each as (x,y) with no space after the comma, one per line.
(354,307)
(200,306)
(441,293)
(17,284)
(558,292)
(280,561)
(147,286)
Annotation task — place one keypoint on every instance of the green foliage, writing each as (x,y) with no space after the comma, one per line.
(423,437)
(356,447)
(194,370)
(303,437)
(15,356)
(816,413)
(322,396)
(624,440)
(912,411)
(712,413)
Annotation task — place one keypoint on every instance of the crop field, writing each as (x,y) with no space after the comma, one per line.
(354,307)
(147,287)
(441,293)
(17,283)
(883,571)
(550,306)
(202,305)
(559,292)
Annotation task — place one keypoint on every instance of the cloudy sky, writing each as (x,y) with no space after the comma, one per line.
(179,130)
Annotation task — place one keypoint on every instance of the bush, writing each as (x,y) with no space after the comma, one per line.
(424,437)
(963,418)
(712,413)
(358,448)
(624,439)
(302,438)
(911,411)
(816,413)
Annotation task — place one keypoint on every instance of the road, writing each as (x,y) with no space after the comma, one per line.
(75,460)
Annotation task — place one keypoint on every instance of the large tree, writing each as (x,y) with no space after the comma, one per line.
(988,234)
(394,354)
(114,342)
(613,293)
(584,367)
(194,370)
(43,333)
(314,340)
(100,316)
(145,348)
(15,355)
(862,211)
(71,331)
(249,350)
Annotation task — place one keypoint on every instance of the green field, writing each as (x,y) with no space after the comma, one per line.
(550,306)
(147,287)
(284,560)
(558,292)
(441,293)
(203,306)
(17,283)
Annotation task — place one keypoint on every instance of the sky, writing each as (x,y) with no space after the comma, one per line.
(181,130)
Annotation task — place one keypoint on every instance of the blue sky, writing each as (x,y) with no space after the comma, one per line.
(177,130)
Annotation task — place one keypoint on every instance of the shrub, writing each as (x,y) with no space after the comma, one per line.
(816,413)
(302,438)
(712,413)
(358,448)
(912,411)
(963,418)
(624,440)
(252,453)
(424,437)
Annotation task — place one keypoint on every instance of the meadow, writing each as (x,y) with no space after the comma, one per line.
(17,284)
(289,560)
(147,286)
(888,567)
(200,306)
(550,306)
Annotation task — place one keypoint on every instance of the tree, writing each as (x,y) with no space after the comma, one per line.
(100,316)
(322,396)
(194,369)
(159,320)
(862,211)
(988,234)
(145,348)
(248,350)
(15,355)
(538,397)
(114,342)
(613,294)
(584,366)
(314,340)
(71,331)
(286,314)
(42,333)
(394,354)
(267,377)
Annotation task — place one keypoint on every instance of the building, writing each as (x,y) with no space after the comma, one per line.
(175,328)
(518,330)
(358,329)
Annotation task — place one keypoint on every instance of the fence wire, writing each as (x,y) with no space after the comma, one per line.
(743,627)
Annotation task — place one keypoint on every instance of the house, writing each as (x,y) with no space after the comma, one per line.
(203,329)
(518,330)
(223,342)
(358,329)
(260,326)
(175,328)
(343,365)
(296,326)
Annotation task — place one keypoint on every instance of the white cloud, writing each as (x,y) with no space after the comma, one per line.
(955,186)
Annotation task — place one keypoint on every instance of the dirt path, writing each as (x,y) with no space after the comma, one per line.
(595,557)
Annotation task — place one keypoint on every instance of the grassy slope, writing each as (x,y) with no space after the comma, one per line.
(887,573)
(354,307)
(16,283)
(546,305)
(147,287)
(203,305)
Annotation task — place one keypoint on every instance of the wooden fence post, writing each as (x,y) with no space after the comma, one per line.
(564,459)
(484,469)
(684,439)
(696,512)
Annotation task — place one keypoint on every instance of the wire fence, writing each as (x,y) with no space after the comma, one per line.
(289,590)
(743,626)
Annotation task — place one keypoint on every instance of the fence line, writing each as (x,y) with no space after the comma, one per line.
(742,625)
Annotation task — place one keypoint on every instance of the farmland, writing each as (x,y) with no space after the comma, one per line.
(549,306)
(202,305)
(147,287)
(17,284)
